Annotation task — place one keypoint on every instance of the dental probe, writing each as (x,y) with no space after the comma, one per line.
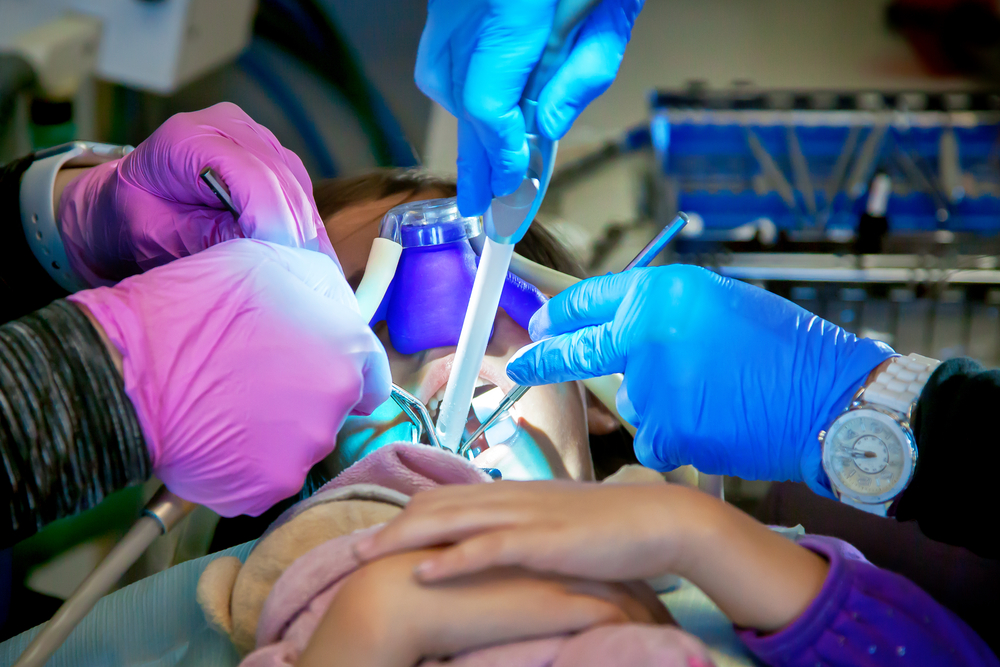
(658,242)
(645,256)
(162,513)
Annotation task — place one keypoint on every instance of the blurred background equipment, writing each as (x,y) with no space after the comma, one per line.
(114,70)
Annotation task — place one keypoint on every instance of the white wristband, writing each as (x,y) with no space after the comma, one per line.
(38,215)
(899,385)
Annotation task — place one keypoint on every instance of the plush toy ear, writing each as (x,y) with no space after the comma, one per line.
(634,474)
(215,590)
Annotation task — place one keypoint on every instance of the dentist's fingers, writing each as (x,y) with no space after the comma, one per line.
(589,302)
(587,353)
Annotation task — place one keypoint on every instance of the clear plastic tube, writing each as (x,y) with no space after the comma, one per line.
(472,343)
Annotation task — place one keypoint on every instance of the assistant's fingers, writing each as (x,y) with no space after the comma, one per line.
(588,302)
(590,68)
(474,191)
(498,70)
(298,170)
(587,353)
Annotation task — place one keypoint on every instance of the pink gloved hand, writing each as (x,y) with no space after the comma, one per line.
(242,362)
(150,207)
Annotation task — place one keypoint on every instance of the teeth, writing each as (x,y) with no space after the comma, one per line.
(434,403)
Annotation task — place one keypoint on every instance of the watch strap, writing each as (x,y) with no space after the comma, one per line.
(878,509)
(899,385)
(38,214)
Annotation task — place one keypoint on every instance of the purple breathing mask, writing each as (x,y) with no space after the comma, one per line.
(425,304)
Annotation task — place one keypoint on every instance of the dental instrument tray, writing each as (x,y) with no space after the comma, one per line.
(804,161)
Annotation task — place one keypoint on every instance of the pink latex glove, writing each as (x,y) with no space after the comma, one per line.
(150,207)
(242,362)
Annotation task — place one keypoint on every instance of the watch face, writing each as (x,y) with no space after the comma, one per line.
(868,456)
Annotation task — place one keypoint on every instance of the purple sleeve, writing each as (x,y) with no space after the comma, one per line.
(865,616)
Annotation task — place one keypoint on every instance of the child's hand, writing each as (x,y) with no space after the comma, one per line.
(614,533)
(610,533)
(384,617)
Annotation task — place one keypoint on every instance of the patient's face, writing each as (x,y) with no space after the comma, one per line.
(552,435)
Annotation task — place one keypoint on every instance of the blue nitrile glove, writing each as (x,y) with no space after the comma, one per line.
(474,60)
(718,374)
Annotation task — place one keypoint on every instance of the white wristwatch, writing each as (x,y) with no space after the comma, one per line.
(38,215)
(869,452)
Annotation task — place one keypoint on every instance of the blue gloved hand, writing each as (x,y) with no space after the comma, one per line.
(474,60)
(718,374)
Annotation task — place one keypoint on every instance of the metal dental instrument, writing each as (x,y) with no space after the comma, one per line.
(861,172)
(417,413)
(218,188)
(839,172)
(505,223)
(509,399)
(645,256)
(658,242)
(162,513)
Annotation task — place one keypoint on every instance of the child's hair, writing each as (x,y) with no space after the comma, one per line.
(335,194)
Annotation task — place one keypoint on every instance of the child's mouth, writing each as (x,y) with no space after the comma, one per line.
(434,402)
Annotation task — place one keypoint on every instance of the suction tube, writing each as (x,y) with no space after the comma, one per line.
(161,514)
(472,343)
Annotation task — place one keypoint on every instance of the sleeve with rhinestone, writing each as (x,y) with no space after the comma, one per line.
(866,617)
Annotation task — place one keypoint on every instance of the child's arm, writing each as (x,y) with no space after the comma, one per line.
(802,604)
(868,616)
(620,533)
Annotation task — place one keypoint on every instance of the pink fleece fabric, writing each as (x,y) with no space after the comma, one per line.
(303,593)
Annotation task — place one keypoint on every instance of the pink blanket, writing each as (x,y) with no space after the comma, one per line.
(303,593)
